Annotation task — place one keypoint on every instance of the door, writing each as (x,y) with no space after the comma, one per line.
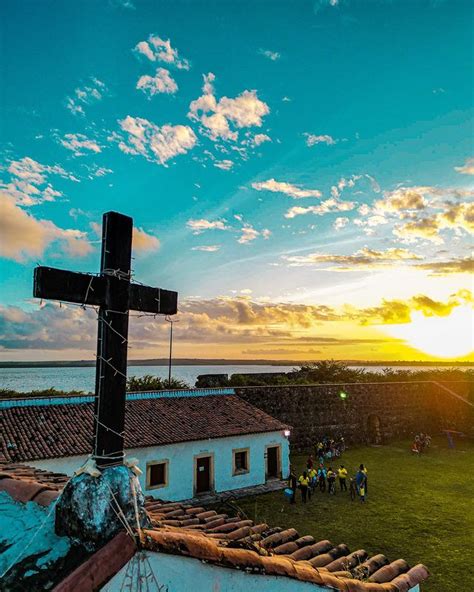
(273,462)
(203,474)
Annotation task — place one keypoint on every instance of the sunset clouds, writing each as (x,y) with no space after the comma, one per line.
(229,323)
(295,193)
(23,236)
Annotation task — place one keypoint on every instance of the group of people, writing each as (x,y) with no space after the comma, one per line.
(324,479)
(328,448)
(421,443)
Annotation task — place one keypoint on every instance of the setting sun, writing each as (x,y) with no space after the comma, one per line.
(441,336)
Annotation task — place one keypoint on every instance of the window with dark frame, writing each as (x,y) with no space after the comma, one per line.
(241,461)
(157,474)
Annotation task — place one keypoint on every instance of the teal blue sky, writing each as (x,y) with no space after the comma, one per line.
(326,161)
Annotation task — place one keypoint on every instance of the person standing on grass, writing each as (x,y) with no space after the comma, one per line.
(342,475)
(293,484)
(352,489)
(331,482)
(361,482)
(313,479)
(304,484)
(320,450)
(322,478)
(309,462)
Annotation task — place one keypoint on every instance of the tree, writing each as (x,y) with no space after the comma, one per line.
(153,383)
(327,371)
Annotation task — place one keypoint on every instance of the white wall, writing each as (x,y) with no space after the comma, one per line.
(182,574)
(181,463)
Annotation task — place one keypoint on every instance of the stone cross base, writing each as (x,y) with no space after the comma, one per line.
(92,509)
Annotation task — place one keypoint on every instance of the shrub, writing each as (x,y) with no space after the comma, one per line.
(153,383)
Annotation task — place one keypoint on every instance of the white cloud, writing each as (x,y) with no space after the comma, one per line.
(249,234)
(160,50)
(86,95)
(225,165)
(98,171)
(289,189)
(340,223)
(325,207)
(371,221)
(126,4)
(29,184)
(198,226)
(271,55)
(156,144)
(219,118)
(313,139)
(80,144)
(467,168)
(161,82)
(260,139)
(207,248)
(25,237)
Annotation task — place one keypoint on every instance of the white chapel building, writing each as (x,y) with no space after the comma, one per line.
(187,443)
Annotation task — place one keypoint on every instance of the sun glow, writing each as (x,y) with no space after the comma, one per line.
(444,337)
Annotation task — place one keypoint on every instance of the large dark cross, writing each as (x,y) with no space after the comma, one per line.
(115,295)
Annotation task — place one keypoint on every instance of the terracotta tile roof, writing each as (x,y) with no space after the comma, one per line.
(25,484)
(232,542)
(39,432)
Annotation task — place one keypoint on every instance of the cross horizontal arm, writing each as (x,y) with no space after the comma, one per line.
(153,300)
(69,286)
(82,288)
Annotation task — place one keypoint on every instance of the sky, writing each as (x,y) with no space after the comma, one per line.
(300,172)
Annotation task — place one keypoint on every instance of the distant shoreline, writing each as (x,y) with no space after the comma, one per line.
(223,362)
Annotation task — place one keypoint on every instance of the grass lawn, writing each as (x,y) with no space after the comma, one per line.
(418,508)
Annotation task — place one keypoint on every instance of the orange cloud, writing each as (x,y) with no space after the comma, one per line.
(25,237)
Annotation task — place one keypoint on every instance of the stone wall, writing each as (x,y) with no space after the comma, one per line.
(371,412)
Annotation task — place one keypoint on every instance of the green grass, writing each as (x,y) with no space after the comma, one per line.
(418,508)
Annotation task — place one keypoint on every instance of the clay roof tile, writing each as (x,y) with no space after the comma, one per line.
(28,432)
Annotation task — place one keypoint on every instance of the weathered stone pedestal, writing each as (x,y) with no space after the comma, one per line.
(89,507)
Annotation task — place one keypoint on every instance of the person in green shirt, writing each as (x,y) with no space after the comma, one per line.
(342,475)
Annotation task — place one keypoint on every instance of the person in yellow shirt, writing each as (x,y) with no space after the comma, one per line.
(312,474)
(342,475)
(304,485)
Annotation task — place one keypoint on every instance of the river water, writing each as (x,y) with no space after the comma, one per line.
(83,379)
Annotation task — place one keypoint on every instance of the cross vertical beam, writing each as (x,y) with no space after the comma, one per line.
(115,295)
(111,367)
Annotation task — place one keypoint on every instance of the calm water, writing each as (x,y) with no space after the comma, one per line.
(83,379)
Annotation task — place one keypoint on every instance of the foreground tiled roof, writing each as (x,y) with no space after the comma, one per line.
(26,484)
(51,431)
(233,542)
